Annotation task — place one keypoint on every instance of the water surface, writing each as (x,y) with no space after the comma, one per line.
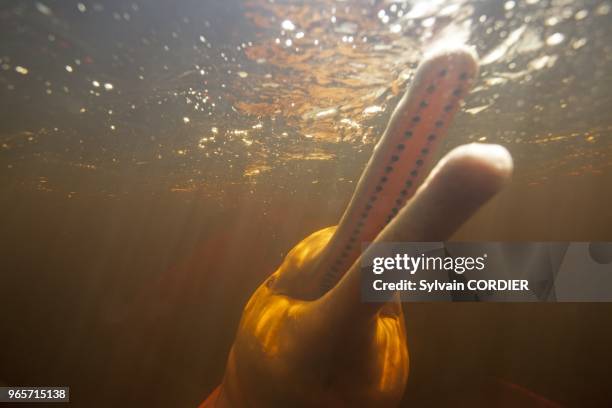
(159,158)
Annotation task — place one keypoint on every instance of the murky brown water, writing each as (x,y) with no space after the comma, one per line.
(157,160)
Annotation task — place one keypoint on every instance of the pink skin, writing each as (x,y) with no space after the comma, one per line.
(310,309)
(397,167)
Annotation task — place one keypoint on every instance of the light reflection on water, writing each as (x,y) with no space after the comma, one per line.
(201,95)
(158,158)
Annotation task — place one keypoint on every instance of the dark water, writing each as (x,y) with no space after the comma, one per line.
(159,158)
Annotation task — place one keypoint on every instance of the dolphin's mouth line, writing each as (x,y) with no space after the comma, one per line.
(400,159)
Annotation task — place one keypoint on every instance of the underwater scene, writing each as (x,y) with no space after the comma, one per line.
(159,160)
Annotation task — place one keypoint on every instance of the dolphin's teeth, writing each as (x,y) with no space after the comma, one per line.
(398,164)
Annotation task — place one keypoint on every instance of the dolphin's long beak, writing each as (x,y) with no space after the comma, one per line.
(457,187)
(400,159)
